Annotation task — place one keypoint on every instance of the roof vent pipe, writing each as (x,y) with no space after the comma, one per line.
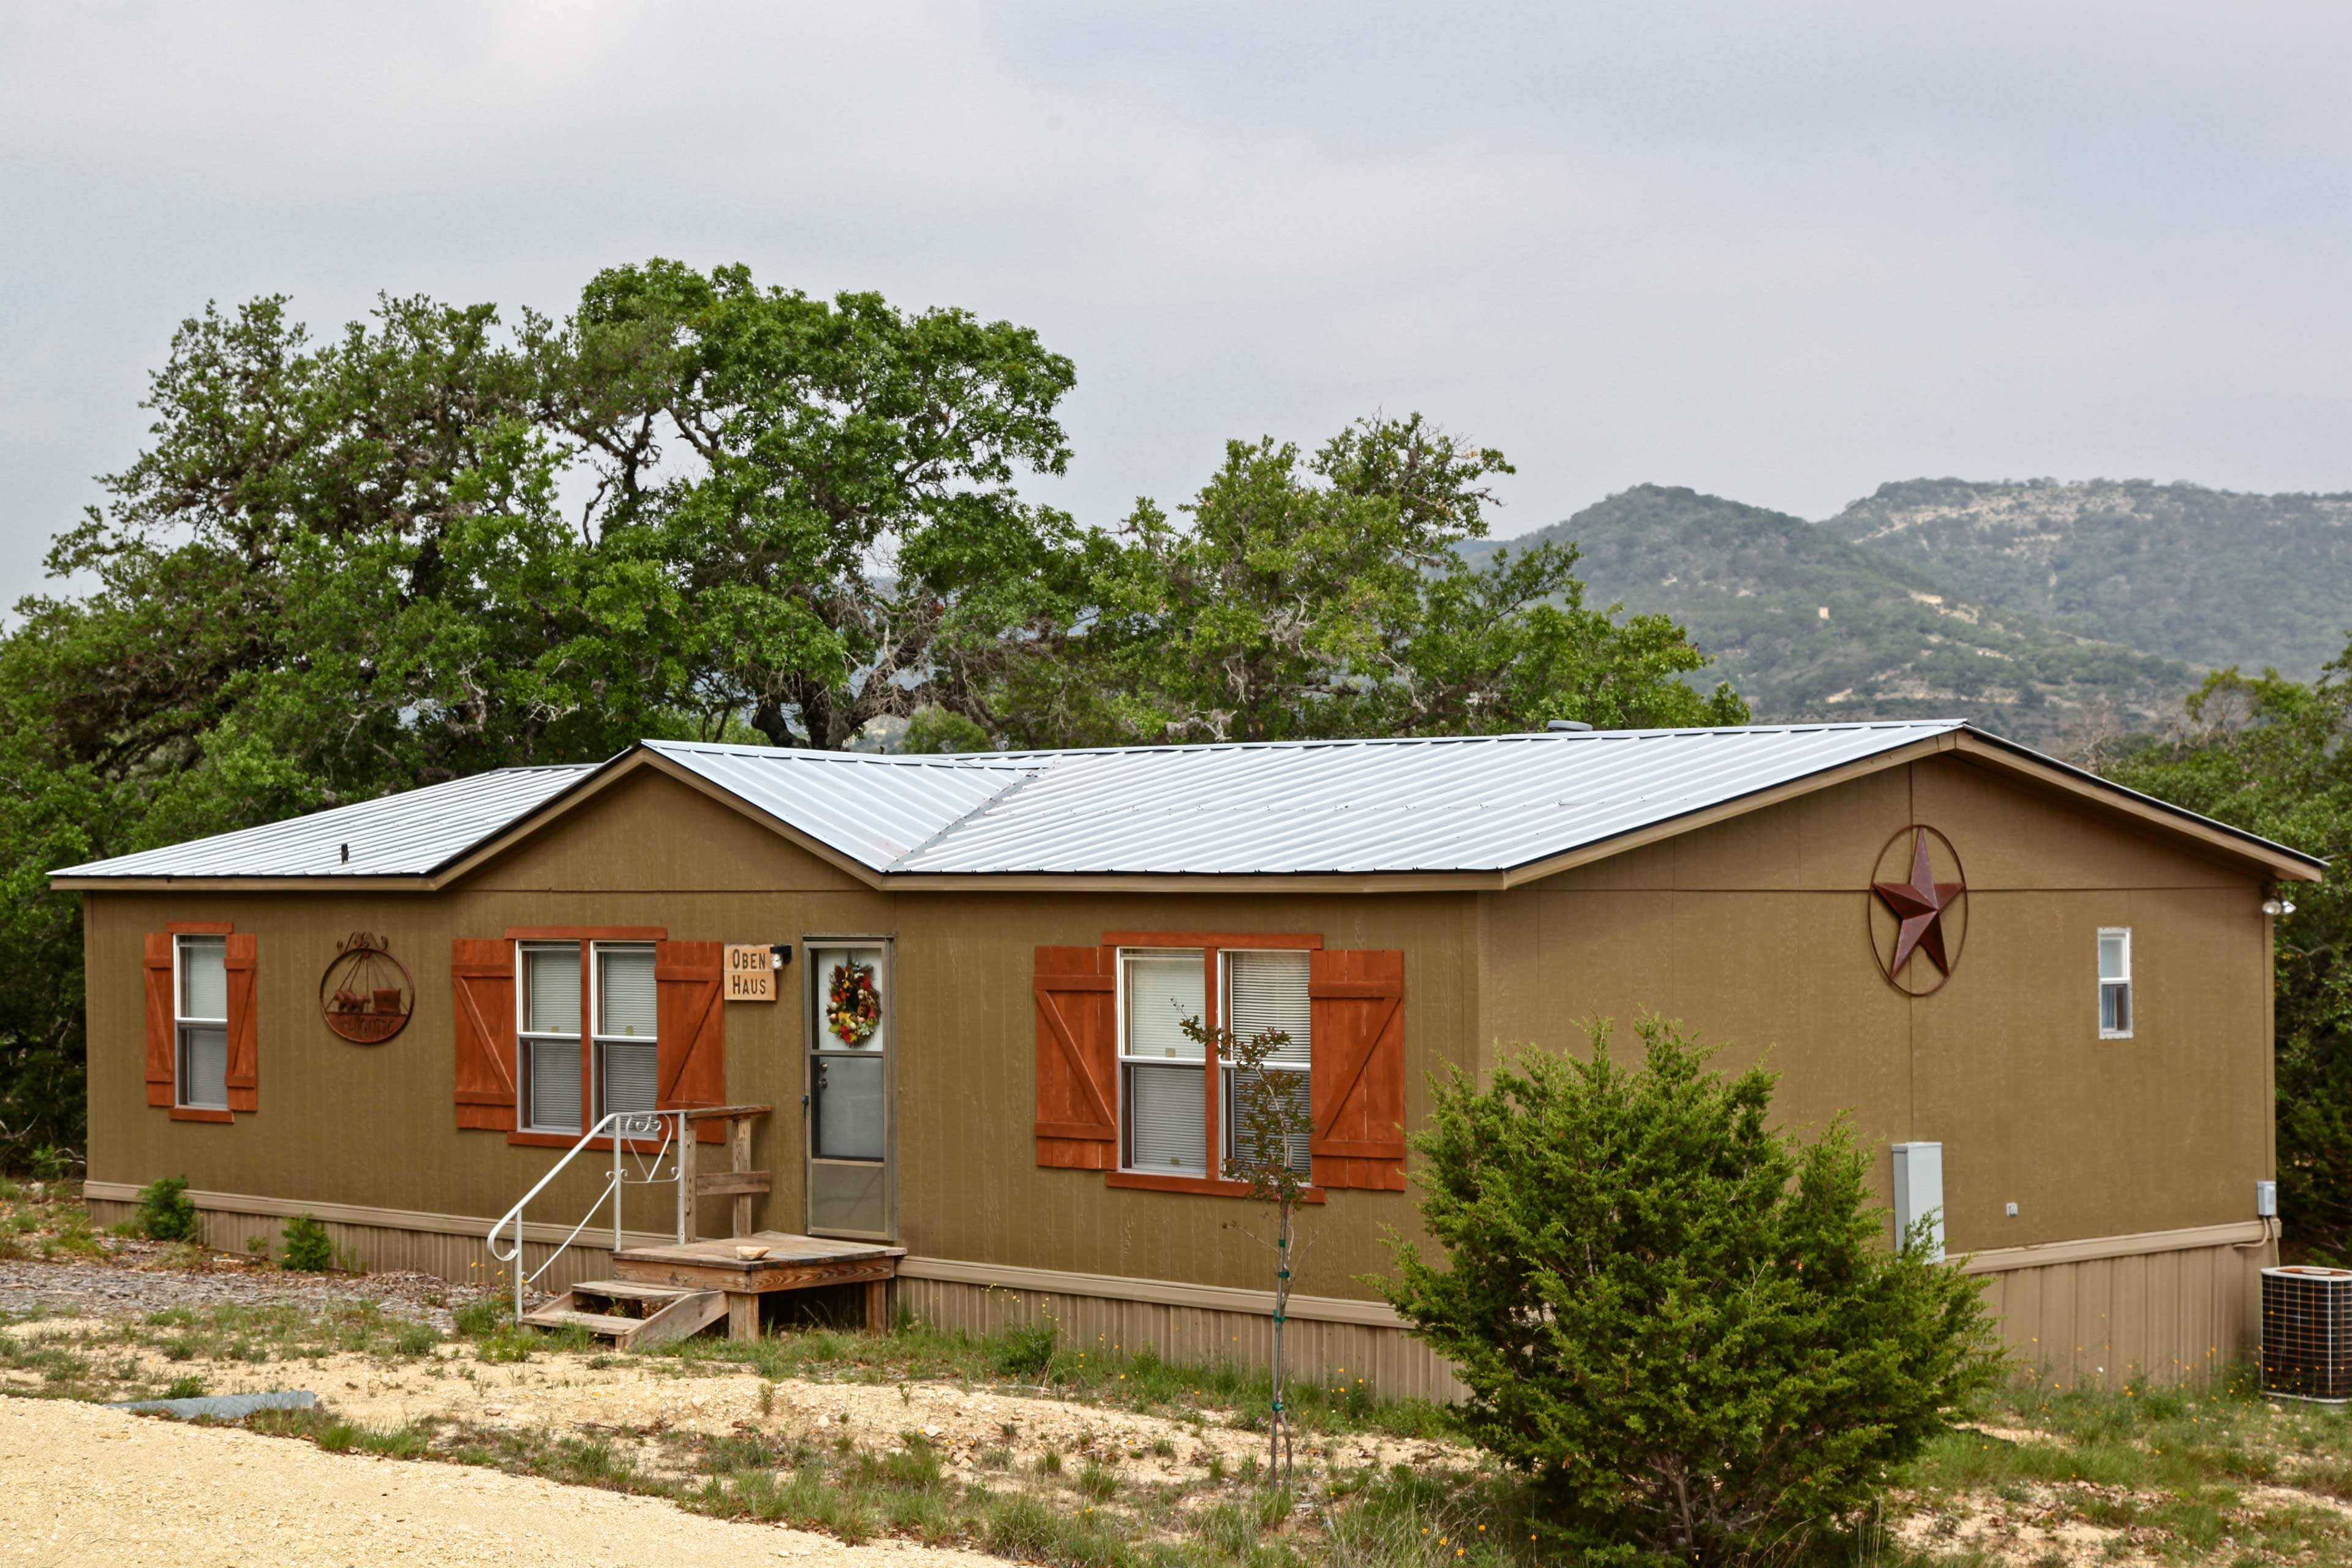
(1569,726)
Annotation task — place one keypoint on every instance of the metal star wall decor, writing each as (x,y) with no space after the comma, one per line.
(1922,908)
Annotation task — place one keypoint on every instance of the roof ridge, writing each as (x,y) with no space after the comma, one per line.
(969,762)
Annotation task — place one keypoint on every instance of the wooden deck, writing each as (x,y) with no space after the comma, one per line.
(791,1263)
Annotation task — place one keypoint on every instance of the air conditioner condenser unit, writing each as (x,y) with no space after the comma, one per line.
(2307,1333)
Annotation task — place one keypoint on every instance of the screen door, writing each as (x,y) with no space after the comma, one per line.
(849,1186)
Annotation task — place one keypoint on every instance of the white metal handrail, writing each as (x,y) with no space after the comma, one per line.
(622,1127)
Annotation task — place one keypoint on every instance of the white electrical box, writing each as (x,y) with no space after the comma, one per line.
(2266,1200)
(1919,1193)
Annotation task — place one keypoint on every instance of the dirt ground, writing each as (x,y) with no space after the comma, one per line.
(90,1485)
(564,1390)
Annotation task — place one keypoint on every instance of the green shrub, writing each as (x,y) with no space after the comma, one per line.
(483,1315)
(1026,1350)
(1684,1328)
(184,1388)
(51,1163)
(165,1211)
(307,1247)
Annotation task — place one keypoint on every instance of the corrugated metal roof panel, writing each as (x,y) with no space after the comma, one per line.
(876,810)
(1468,804)
(405,835)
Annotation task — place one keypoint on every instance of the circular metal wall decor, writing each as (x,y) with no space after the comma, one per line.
(1918,921)
(365,995)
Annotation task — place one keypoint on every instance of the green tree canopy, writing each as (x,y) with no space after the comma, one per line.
(1323,596)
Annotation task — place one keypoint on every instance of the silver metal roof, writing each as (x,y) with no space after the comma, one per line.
(1456,803)
(410,834)
(1477,803)
(1463,804)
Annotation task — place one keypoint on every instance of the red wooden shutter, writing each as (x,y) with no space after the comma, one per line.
(244,1027)
(1077,1050)
(162,1054)
(1356,1010)
(690,1030)
(482,996)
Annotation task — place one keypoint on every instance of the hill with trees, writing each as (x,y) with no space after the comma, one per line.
(1808,623)
(2209,577)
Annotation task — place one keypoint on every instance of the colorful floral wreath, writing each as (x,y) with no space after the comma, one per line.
(853,1008)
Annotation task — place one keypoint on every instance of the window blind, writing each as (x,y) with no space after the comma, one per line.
(1268,991)
(1162,991)
(555,1081)
(624,992)
(1296,1086)
(1167,1118)
(631,1076)
(551,994)
(204,1074)
(204,978)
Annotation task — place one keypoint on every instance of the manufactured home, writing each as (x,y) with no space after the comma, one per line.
(929,1008)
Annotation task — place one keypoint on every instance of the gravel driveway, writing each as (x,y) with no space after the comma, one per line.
(90,1486)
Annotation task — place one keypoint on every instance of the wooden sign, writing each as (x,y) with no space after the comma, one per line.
(751,972)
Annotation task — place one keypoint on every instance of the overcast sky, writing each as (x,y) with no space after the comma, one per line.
(1781,251)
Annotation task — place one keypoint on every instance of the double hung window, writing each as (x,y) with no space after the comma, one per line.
(1165,1076)
(621,1008)
(1162,1072)
(627,1063)
(201,1021)
(548,995)
(2115,983)
(1266,991)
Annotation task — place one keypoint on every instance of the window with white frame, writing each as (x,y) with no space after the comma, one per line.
(626,1054)
(548,1036)
(1267,991)
(201,1021)
(1162,1072)
(2115,983)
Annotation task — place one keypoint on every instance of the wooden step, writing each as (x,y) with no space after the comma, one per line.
(602,1324)
(675,1314)
(628,1291)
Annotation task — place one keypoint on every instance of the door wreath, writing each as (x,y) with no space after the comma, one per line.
(852,1008)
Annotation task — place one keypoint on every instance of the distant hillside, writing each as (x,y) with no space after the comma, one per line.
(2207,576)
(1809,625)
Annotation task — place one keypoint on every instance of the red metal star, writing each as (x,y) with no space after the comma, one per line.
(1920,904)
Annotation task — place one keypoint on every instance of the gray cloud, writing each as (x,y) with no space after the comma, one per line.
(1782,252)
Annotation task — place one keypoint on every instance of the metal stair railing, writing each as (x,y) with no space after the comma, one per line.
(622,1127)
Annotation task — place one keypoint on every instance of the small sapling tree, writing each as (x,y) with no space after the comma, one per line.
(1686,1329)
(1272,1121)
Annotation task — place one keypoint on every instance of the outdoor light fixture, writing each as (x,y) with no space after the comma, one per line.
(2277,905)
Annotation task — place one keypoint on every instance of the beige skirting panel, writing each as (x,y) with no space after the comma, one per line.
(1390,1360)
(2179,1316)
